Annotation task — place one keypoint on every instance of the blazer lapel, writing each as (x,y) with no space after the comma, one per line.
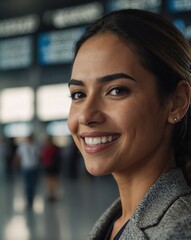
(102,226)
(133,232)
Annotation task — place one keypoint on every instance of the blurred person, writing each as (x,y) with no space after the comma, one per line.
(10,148)
(27,156)
(51,163)
(130,117)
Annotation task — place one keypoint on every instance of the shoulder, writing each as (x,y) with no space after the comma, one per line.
(175,223)
(165,213)
(179,214)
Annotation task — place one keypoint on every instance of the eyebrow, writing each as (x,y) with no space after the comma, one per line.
(106,78)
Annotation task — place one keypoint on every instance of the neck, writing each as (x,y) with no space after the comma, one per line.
(133,185)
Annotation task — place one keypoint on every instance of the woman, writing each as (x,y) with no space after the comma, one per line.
(130,114)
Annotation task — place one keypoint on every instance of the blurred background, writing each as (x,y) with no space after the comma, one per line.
(36,51)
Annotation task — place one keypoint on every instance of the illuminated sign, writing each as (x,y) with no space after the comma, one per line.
(77,15)
(16,104)
(19,25)
(152,5)
(58,128)
(178,5)
(15,53)
(56,47)
(53,102)
(18,129)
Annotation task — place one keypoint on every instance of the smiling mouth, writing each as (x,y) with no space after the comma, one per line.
(93,141)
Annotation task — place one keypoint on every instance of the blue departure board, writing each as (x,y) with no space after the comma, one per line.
(16,53)
(175,6)
(57,47)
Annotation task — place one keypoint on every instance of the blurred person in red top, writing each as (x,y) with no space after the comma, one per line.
(50,158)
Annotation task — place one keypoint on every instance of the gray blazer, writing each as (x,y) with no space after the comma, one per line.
(164,213)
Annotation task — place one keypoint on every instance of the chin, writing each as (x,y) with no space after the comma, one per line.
(96,171)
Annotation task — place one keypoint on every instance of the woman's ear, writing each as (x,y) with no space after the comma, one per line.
(180,101)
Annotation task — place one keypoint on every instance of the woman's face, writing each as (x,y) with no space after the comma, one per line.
(116,118)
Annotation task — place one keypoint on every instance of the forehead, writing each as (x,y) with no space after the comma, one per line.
(104,50)
(106,54)
(105,45)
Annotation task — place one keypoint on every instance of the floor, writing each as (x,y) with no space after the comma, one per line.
(80,203)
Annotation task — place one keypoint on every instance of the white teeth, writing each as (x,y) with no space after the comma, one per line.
(104,139)
(98,140)
(110,138)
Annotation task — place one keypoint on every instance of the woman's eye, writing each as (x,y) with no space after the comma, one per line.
(77,95)
(119,91)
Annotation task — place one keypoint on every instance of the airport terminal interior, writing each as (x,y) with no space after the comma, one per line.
(80,201)
(37,40)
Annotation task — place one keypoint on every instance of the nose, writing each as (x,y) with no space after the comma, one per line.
(91,114)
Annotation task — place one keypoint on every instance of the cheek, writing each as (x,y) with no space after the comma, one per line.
(72,122)
(126,114)
(73,126)
(140,116)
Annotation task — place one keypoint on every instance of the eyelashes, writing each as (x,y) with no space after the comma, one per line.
(117,91)
(77,95)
